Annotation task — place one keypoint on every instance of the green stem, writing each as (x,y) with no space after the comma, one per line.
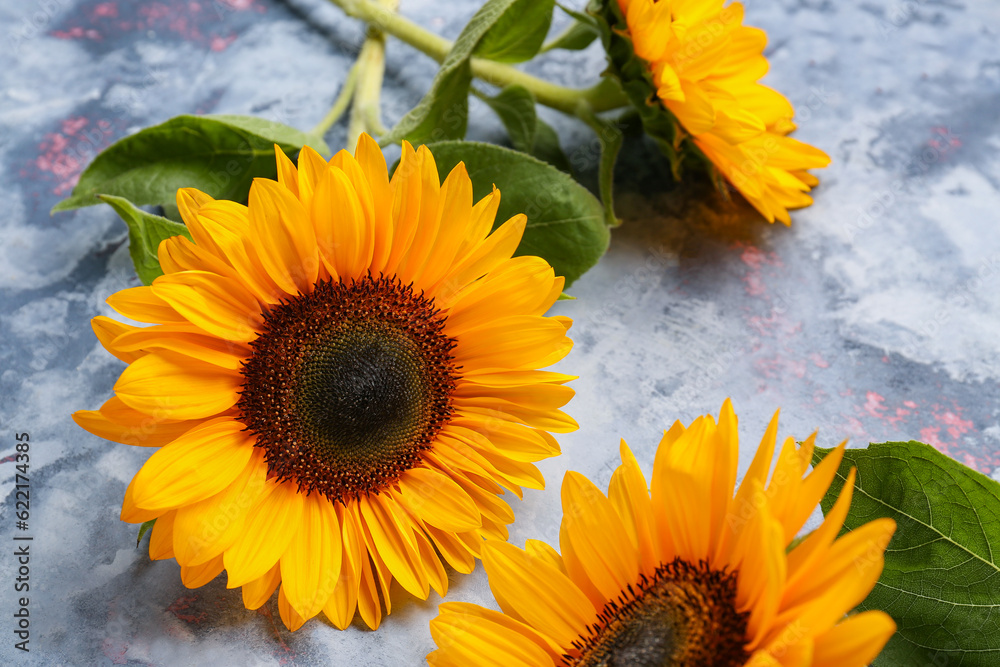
(339,105)
(366,111)
(604,96)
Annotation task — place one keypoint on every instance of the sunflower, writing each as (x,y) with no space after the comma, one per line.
(341,379)
(683,573)
(695,62)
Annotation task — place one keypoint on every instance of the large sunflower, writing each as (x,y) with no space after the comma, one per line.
(701,64)
(683,573)
(341,379)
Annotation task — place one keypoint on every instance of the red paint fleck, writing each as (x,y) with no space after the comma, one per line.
(956,425)
(818,360)
(220,43)
(910,404)
(9,459)
(115,650)
(854,427)
(929,434)
(874,404)
(180,607)
(64,154)
(77,32)
(107,10)
(186,18)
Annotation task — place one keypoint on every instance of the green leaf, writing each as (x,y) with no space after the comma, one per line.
(577,36)
(143,529)
(443,113)
(518,34)
(515,106)
(145,231)
(220,155)
(941,581)
(547,148)
(565,222)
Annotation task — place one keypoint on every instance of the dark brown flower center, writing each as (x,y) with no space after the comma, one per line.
(684,616)
(348,385)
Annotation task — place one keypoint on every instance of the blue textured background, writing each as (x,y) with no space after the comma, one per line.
(875,317)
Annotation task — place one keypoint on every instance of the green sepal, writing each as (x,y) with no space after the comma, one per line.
(143,529)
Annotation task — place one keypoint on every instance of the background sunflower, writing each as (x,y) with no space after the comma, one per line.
(681,571)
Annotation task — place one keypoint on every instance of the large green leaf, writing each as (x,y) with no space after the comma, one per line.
(145,231)
(220,155)
(941,581)
(565,222)
(443,113)
(518,34)
(515,106)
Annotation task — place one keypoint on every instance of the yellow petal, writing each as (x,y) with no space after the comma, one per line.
(177,387)
(541,594)
(197,465)
(142,305)
(216,304)
(396,546)
(854,642)
(161,538)
(598,538)
(196,576)
(285,243)
(269,528)
(438,500)
(487,641)
(291,618)
(260,590)
(205,529)
(310,566)
(344,600)
(120,423)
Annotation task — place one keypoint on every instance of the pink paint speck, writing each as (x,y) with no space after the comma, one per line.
(956,425)
(910,404)
(220,43)
(115,650)
(181,605)
(929,434)
(853,427)
(106,10)
(818,360)
(874,404)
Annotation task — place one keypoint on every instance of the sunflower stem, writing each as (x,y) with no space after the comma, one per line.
(339,105)
(366,111)
(604,96)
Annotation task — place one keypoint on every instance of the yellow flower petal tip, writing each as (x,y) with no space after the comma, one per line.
(340,379)
(690,570)
(703,65)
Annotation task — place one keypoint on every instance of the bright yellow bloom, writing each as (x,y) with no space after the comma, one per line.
(705,64)
(341,379)
(683,572)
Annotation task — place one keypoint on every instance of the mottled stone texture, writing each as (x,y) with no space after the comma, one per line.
(874,317)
